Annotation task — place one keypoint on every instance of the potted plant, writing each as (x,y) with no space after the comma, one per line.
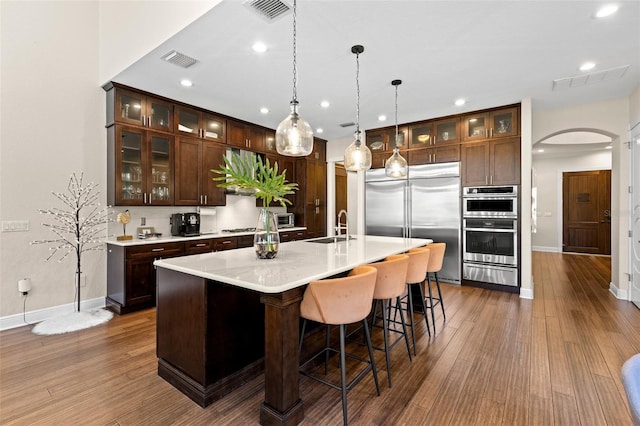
(260,179)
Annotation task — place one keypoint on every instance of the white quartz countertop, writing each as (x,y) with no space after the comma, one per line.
(170,239)
(297,262)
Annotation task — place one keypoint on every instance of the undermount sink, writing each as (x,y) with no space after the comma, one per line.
(329,240)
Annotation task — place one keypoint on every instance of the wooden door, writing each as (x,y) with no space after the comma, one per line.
(586,212)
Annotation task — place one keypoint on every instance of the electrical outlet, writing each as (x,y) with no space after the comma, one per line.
(15,225)
(143,221)
(83,281)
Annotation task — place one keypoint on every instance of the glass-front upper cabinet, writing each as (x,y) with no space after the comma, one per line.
(446,131)
(200,124)
(383,140)
(144,167)
(492,124)
(421,135)
(139,110)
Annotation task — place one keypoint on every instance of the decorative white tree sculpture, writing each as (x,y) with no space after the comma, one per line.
(80,227)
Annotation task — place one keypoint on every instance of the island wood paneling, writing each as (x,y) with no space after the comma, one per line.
(498,359)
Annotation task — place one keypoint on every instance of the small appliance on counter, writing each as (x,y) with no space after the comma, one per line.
(185,224)
(285,220)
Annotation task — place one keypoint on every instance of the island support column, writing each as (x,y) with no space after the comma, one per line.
(282,404)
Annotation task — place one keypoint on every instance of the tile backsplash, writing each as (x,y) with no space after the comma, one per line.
(240,212)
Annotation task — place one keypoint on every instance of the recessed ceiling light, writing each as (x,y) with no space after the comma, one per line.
(587,66)
(607,10)
(186,83)
(264,110)
(319,130)
(382,118)
(325,104)
(541,150)
(259,47)
(460,102)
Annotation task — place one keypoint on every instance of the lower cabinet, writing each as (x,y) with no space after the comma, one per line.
(131,276)
(292,236)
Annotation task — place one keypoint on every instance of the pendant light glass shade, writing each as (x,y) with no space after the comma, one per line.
(294,136)
(357,156)
(396,166)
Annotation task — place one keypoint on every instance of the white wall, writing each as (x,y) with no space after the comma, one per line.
(549,181)
(55,57)
(610,117)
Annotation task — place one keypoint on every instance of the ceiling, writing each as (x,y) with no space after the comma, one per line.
(490,53)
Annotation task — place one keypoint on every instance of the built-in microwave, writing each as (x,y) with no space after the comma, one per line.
(490,201)
(286,220)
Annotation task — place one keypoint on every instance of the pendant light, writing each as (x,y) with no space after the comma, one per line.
(357,156)
(396,166)
(294,136)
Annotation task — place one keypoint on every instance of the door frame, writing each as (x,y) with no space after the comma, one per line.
(634,171)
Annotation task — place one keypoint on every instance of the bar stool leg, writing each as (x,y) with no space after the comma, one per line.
(327,335)
(433,315)
(444,317)
(343,375)
(404,330)
(385,333)
(371,357)
(410,309)
(424,309)
(304,325)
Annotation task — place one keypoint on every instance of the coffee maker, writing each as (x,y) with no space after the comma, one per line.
(185,224)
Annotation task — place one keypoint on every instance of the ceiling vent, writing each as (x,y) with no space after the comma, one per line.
(179,59)
(270,10)
(591,78)
(348,124)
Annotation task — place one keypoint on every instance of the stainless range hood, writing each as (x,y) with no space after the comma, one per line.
(234,190)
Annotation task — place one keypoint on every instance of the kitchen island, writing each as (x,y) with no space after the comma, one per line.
(224,317)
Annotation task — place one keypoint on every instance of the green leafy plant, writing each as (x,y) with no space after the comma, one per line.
(250,173)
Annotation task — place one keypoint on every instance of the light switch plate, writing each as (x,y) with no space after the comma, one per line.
(15,225)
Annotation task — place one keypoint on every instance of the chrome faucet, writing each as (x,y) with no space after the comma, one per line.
(340,226)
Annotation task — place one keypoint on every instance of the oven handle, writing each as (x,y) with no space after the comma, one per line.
(512,231)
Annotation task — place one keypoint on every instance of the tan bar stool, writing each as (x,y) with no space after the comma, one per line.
(390,284)
(341,301)
(416,273)
(435,265)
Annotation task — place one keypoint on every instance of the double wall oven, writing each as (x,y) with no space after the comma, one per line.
(490,234)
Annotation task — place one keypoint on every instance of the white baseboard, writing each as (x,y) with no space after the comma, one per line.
(546,249)
(32,317)
(618,293)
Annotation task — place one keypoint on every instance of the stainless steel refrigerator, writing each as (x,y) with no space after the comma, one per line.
(426,204)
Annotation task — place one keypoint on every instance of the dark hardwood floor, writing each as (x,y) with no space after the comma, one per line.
(498,359)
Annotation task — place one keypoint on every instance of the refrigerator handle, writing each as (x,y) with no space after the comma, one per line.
(407,210)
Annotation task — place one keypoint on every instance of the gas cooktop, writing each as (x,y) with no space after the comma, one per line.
(239,230)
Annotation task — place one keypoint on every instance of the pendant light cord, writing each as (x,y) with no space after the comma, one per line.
(357,96)
(295,73)
(395,145)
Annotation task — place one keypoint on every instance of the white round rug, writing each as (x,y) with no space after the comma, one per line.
(72,322)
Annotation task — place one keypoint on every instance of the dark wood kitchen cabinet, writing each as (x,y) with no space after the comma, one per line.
(195,158)
(384,139)
(140,167)
(492,162)
(311,199)
(138,109)
(200,124)
(245,136)
(437,154)
(131,276)
(499,123)
(434,133)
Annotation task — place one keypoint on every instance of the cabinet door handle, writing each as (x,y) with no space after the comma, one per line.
(226,242)
(491,182)
(434,158)
(491,132)
(205,200)
(201,245)
(157,249)
(486,133)
(486,180)
(144,201)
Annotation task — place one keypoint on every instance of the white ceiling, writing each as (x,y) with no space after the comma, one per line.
(491,53)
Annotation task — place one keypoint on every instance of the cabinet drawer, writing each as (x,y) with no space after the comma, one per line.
(228,243)
(155,250)
(245,241)
(291,236)
(198,246)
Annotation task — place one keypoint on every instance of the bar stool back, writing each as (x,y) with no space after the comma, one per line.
(435,265)
(418,262)
(390,284)
(341,301)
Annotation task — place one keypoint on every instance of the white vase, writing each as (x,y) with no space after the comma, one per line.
(266,239)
